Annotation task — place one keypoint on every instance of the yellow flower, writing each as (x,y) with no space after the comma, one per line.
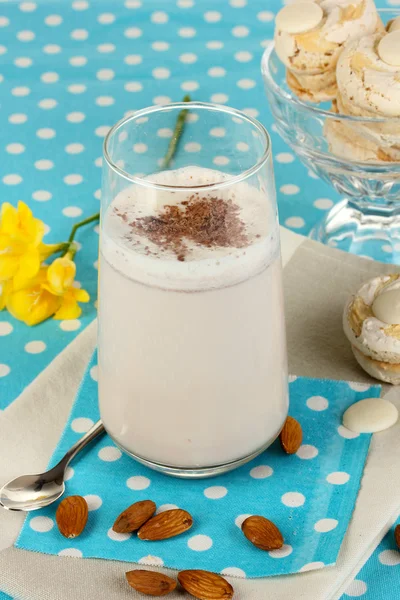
(5,289)
(21,247)
(33,303)
(60,280)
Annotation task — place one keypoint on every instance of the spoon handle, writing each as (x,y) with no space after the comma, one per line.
(93,432)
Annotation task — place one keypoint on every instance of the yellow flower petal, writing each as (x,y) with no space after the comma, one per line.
(29,265)
(9,266)
(69,310)
(81,295)
(9,218)
(60,274)
(33,304)
(5,289)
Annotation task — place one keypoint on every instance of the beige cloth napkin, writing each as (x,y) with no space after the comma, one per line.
(317,282)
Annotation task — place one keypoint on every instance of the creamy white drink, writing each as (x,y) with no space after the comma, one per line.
(192,357)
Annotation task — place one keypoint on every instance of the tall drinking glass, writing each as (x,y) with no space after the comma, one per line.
(192,354)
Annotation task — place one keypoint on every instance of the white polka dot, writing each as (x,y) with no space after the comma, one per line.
(48,103)
(99,161)
(74,148)
(46,133)
(292,378)
(282,552)
(295,222)
(214,45)
(189,86)
(161,73)
(284,157)
(192,147)
(346,433)
(118,537)
(216,72)
(102,130)
(387,248)
(238,3)
(76,117)
(41,524)
(49,77)
(187,32)
(356,588)
(212,16)
(307,452)
(78,61)
(160,46)
(242,146)
(105,48)
(73,552)
(81,424)
(218,132)
(325,525)
(200,543)
(76,88)
(94,502)
(151,561)
(5,328)
(240,520)
(159,17)
(293,499)
(192,117)
(251,112)
(188,58)
(391,558)
(165,507)
(233,572)
(25,36)
(44,164)
(219,98)
(72,211)
(133,59)
(15,148)
(265,16)
(4,21)
(240,31)
(140,148)
(133,86)
(215,492)
(246,84)
(53,20)
(289,189)
(12,179)
(185,3)
(109,454)
(41,195)
(79,34)
(4,370)
(161,100)
(317,403)
(28,6)
(51,49)
(133,4)
(69,473)
(70,325)
(20,90)
(312,566)
(133,32)
(23,62)
(338,478)
(243,56)
(97,193)
(165,132)
(105,101)
(138,482)
(106,18)
(261,472)
(313,175)
(221,160)
(93,372)
(96,229)
(105,74)
(323,203)
(359,387)
(35,347)
(80,5)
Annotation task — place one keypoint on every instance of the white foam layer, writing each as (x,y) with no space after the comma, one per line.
(139,259)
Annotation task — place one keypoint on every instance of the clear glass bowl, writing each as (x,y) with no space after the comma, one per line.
(368,216)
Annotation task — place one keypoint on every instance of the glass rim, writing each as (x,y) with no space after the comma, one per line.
(190,106)
(314,110)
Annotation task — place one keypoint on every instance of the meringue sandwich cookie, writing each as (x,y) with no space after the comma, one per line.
(368,80)
(309,37)
(371,322)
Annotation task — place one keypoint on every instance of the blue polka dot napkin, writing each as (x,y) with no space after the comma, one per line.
(310,495)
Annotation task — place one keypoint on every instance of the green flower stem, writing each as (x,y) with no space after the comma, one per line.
(178,131)
(71,247)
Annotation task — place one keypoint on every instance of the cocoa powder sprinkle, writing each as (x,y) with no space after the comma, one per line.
(208,222)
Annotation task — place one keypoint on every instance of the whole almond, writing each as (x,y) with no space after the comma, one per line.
(262,533)
(291,436)
(72,516)
(166,525)
(397,536)
(150,583)
(205,585)
(134,516)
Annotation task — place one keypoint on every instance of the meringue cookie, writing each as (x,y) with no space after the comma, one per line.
(375,343)
(308,41)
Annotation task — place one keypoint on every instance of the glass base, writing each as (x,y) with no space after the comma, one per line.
(362,232)
(198,472)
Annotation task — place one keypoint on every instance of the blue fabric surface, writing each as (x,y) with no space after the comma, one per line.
(310,495)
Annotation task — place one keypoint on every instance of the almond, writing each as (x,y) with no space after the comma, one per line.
(205,585)
(72,516)
(291,436)
(262,533)
(166,525)
(134,516)
(397,536)
(150,583)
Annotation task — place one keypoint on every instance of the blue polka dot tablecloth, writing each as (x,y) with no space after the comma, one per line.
(310,495)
